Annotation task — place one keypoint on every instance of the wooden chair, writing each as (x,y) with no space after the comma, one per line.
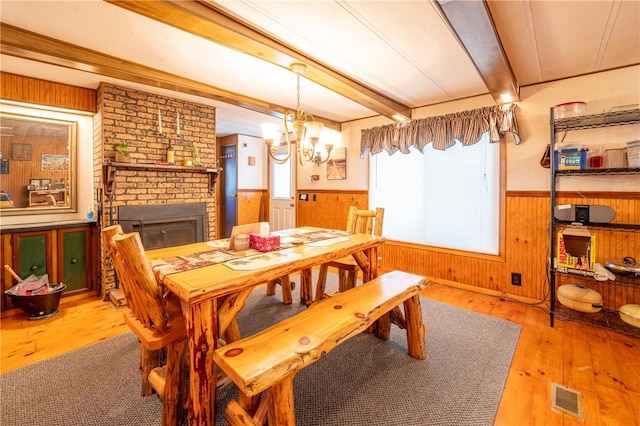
(157,322)
(358,222)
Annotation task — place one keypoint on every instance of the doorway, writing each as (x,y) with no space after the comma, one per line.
(282,202)
(229,205)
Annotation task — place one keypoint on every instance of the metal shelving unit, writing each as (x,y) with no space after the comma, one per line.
(606,318)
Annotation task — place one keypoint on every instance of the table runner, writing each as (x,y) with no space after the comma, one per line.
(246,259)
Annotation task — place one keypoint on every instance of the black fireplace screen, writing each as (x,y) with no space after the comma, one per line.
(165,225)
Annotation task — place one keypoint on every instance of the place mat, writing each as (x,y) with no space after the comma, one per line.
(219,244)
(263,260)
(171,265)
(329,242)
(290,238)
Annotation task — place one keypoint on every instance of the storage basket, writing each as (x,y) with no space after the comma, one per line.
(38,306)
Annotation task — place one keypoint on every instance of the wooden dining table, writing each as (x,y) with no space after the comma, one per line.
(211,295)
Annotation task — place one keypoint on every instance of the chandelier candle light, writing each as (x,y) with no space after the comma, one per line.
(306,131)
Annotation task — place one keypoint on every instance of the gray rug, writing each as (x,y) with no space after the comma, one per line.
(364,381)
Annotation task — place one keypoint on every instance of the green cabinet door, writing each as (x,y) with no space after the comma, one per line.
(32,251)
(73,271)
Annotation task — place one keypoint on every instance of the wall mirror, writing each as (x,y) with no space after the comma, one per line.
(37,165)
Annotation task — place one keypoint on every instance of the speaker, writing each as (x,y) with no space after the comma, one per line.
(584,213)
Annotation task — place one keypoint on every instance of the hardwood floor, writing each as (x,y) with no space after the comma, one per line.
(603,365)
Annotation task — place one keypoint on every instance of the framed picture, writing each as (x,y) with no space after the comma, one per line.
(45,183)
(35,183)
(21,151)
(55,163)
(337,164)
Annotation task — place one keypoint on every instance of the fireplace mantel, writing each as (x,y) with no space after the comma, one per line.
(111,168)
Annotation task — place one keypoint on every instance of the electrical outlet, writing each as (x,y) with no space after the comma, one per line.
(516,278)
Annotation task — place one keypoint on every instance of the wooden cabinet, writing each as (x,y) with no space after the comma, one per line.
(67,253)
(30,253)
(74,254)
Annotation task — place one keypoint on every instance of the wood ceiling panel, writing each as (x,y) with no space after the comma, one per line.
(364,41)
(569,36)
(515,27)
(211,22)
(622,47)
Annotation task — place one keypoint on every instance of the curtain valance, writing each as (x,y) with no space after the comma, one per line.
(442,131)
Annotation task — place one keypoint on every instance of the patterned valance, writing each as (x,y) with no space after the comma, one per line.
(442,131)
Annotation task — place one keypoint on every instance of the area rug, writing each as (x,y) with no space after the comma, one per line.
(364,381)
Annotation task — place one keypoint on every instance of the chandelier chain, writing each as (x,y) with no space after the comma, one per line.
(298,109)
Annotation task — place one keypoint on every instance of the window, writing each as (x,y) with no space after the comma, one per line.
(448,199)
(282,187)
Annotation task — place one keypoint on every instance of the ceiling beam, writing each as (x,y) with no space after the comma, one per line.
(471,23)
(24,44)
(211,22)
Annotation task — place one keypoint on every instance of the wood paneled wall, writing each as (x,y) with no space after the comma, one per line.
(41,92)
(328,209)
(253,206)
(526,244)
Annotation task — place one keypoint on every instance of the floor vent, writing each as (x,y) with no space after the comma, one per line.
(568,401)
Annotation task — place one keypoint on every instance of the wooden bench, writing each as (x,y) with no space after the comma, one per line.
(270,359)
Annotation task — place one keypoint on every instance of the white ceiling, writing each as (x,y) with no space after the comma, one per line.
(403,50)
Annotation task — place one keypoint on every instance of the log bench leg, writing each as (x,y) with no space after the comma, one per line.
(271,287)
(416,330)
(276,408)
(249,404)
(280,401)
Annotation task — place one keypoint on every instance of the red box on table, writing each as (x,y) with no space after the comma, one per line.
(264,242)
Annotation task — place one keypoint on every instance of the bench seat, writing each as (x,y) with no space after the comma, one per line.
(270,358)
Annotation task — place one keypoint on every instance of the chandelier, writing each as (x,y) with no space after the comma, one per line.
(303,127)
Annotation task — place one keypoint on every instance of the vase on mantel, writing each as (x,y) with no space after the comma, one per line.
(197,162)
(121,158)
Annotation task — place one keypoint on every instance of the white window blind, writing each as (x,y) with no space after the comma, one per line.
(447,199)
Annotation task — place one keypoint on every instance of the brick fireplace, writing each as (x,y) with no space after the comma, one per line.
(131,115)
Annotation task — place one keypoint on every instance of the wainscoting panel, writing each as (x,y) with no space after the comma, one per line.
(328,209)
(525,247)
(253,206)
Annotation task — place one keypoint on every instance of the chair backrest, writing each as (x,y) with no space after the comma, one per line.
(134,271)
(365,221)
(107,234)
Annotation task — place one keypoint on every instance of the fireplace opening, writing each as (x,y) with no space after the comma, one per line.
(165,225)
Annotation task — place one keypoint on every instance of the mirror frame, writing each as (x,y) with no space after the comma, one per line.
(71,207)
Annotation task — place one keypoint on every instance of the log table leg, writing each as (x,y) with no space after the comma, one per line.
(202,321)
